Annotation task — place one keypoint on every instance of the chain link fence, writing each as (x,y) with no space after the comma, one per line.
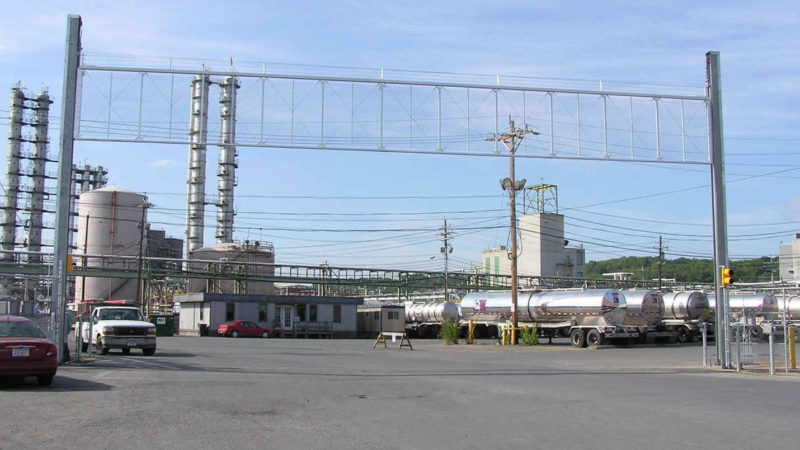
(759,341)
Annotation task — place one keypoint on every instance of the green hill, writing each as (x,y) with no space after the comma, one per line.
(684,269)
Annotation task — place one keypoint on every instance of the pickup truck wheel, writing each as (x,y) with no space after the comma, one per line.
(265,334)
(235,334)
(99,346)
(149,351)
(126,351)
(594,339)
(577,338)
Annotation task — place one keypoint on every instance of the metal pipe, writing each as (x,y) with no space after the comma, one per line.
(298,77)
(771,351)
(399,150)
(720,234)
(67,139)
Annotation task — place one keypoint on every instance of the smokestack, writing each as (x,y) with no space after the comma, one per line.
(227,160)
(9,224)
(38,176)
(198,134)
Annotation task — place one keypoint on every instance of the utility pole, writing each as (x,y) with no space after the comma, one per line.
(660,248)
(142,224)
(447,248)
(512,139)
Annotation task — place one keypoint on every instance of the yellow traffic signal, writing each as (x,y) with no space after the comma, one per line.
(727,276)
(69,263)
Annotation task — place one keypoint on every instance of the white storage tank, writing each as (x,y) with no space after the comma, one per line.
(227,274)
(109,223)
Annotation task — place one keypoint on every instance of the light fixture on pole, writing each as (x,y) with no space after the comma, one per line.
(512,139)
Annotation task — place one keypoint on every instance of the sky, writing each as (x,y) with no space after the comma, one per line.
(387,210)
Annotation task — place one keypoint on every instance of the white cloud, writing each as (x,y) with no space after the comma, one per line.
(163,163)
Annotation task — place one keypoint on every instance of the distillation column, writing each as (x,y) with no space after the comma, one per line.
(15,121)
(84,179)
(227,160)
(198,134)
(38,177)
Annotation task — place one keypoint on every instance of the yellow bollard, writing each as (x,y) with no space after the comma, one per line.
(471,332)
(792,353)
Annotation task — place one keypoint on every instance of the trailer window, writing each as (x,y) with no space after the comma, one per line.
(337,313)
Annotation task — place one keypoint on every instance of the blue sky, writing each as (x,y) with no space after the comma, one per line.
(613,209)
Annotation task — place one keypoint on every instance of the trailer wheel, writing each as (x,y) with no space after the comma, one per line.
(683,335)
(594,339)
(578,338)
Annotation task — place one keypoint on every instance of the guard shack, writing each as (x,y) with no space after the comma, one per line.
(373,320)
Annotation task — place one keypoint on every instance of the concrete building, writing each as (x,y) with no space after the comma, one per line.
(543,252)
(790,260)
(161,246)
(286,315)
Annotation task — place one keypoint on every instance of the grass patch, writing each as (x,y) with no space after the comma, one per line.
(449,333)
(529,335)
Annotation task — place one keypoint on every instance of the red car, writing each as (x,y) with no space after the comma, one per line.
(243,328)
(25,351)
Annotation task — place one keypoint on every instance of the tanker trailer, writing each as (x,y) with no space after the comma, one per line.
(684,313)
(788,304)
(749,310)
(424,319)
(645,311)
(791,304)
(587,317)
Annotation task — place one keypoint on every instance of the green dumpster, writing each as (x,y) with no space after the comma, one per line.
(165,324)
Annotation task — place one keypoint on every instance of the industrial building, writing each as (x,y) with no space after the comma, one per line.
(287,315)
(542,251)
(790,260)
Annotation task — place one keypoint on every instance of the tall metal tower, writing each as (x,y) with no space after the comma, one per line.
(38,176)
(541,198)
(8,239)
(227,160)
(198,134)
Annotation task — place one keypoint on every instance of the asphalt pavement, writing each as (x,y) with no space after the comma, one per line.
(206,392)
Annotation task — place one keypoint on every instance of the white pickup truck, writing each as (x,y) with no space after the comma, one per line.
(122,327)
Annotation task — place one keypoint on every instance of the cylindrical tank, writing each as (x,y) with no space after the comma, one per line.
(792,306)
(109,223)
(227,273)
(645,307)
(589,307)
(431,312)
(749,303)
(688,305)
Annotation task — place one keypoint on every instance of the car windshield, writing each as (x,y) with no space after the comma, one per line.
(120,314)
(20,329)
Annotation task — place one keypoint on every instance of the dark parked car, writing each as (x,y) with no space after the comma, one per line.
(25,351)
(243,328)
